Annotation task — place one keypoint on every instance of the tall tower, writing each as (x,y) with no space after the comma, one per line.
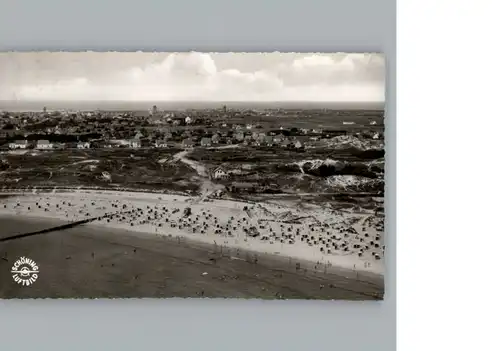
(45,109)
(155,110)
(224,109)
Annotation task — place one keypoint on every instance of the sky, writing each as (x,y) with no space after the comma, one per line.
(193,76)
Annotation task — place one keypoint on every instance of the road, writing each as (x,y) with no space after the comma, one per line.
(207,186)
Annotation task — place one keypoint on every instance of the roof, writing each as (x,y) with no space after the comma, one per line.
(21,141)
(43,141)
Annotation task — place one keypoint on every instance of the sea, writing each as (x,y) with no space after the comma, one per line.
(33,106)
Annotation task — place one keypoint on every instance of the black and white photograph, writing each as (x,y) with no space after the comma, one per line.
(192,175)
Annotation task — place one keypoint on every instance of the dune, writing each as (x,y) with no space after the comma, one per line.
(315,235)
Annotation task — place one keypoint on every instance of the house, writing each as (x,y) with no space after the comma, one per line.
(298,144)
(286,143)
(206,142)
(160,144)
(71,145)
(215,138)
(260,138)
(220,174)
(188,120)
(134,143)
(138,135)
(188,143)
(85,145)
(241,187)
(268,140)
(19,144)
(44,145)
(239,136)
(278,139)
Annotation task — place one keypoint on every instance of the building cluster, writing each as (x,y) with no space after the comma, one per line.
(152,129)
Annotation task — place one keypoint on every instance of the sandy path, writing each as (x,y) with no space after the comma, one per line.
(198,167)
(207,187)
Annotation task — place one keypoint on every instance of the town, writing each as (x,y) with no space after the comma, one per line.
(55,130)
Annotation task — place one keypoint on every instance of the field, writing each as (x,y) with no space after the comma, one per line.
(145,169)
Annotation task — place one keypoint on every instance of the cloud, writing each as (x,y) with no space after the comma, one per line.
(193,76)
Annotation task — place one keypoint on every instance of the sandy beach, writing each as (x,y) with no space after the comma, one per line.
(315,235)
(96,262)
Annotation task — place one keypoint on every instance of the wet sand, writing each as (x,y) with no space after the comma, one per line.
(93,262)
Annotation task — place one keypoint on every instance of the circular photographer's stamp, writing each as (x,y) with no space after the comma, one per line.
(25,271)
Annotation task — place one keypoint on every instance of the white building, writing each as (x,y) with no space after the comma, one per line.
(188,120)
(153,111)
(220,174)
(135,143)
(85,145)
(19,144)
(160,144)
(44,145)
(278,139)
